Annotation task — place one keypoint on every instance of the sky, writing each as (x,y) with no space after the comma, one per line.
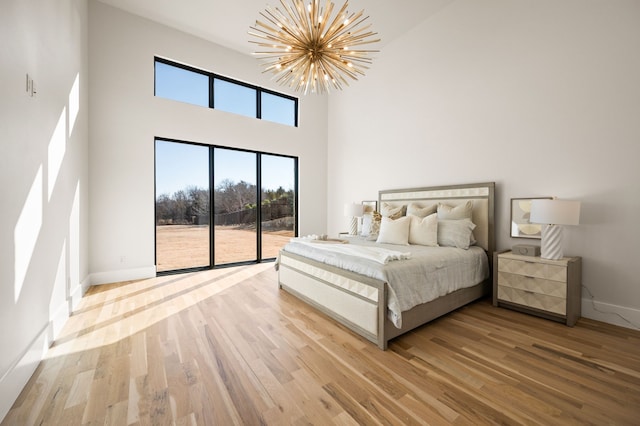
(179,165)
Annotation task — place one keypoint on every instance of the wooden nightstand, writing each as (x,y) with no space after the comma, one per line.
(546,288)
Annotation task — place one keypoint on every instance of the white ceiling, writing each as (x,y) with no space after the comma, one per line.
(227,22)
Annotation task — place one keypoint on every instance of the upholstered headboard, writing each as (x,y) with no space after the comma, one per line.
(481,194)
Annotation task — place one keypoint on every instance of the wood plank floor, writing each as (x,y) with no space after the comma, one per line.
(228,347)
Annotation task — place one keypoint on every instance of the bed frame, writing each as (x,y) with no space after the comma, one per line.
(359,302)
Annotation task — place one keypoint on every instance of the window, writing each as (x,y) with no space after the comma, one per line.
(278,109)
(180,84)
(198,87)
(236,98)
(218,206)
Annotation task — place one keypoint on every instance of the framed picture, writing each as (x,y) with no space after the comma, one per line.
(521,227)
(369,206)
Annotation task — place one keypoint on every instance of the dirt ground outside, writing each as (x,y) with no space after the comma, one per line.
(187,246)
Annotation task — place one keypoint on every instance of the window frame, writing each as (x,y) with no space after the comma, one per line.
(213,76)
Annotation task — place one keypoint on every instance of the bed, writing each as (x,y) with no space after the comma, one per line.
(371,303)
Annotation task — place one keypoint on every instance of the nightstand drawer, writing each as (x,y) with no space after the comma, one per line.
(533,284)
(543,302)
(533,269)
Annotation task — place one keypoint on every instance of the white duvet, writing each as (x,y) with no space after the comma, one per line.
(417,274)
(368,252)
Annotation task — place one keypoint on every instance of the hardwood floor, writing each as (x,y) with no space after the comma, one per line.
(228,347)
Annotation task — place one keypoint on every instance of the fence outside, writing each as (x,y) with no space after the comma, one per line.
(272,211)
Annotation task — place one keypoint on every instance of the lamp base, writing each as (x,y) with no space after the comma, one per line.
(353,227)
(551,247)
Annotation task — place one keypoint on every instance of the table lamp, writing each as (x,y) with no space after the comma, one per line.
(552,214)
(354,211)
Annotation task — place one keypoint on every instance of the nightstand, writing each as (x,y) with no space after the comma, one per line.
(547,288)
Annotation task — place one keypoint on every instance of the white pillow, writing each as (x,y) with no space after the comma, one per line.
(461,211)
(455,233)
(394,231)
(418,210)
(424,231)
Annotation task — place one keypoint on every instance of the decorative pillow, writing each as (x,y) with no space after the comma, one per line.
(375,226)
(461,211)
(394,231)
(455,233)
(424,230)
(417,210)
(393,212)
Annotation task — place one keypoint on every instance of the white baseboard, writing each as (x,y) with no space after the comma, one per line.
(62,313)
(611,314)
(16,377)
(79,292)
(123,275)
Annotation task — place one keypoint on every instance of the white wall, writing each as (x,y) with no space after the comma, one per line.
(542,97)
(125,118)
(43,171)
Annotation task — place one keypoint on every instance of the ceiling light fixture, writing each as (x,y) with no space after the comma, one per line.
(308,49)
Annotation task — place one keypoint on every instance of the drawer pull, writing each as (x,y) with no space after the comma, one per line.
(528,291)
(529,277)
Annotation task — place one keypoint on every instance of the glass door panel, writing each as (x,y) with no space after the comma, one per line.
(235,204)
(182,206)
(277,203)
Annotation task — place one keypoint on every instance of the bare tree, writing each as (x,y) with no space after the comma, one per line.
(231,196)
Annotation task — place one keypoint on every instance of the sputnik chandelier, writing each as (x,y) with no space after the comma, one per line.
(308,49)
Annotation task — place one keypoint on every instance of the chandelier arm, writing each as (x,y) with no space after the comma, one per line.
(325,18)
(344,37)
(283,27)
(355,34)
(343,27)
(296,17)
(337,23)
(285,23)
(266,36)
(340,66)
(270,16)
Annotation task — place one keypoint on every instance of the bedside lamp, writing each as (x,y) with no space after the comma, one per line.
(354,211)
(552,214)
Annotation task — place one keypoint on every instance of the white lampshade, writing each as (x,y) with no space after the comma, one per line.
(353,210)
(555,212)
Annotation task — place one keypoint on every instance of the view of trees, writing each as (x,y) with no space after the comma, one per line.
(191,205)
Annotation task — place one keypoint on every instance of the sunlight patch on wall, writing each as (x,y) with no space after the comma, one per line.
(74,103)
(56,151)
(74,239)
(26,232)
(59,292)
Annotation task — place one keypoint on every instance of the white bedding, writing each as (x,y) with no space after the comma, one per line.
(429,273)
(375,253)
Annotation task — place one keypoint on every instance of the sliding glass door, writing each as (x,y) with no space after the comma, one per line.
(182,206)
(235,200)
(277,200)
(249,197)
